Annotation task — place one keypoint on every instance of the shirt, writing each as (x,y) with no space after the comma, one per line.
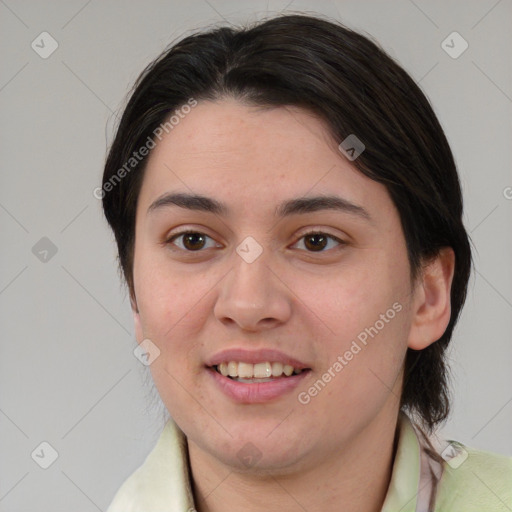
(468,480)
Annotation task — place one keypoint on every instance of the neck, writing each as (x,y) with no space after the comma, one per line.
(354,478)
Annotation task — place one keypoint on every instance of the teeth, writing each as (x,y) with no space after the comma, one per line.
(223,369)
(277,369)
(263,371)
(245,370)
(260,371)
(288,370)
(233,369)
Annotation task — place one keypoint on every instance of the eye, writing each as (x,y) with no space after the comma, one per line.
(191,240)
(317,241)
(195,241)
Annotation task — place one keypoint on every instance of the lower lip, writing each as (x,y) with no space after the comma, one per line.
(256,392)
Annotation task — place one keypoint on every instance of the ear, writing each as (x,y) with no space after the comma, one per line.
(432,302)
(136,318)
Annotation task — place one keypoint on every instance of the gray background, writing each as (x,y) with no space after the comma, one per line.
(67,372)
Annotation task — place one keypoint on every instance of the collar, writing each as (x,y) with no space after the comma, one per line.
(414,473)
(163,481)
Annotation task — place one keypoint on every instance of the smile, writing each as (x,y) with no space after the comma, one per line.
(260,372)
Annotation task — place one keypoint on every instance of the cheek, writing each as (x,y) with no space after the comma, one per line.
(362,312)
(173,308)
(168,297)
(351,298)
(168,309)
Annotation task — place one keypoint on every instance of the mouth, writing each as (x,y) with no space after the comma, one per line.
(255,376)
(257,382)
(249,373)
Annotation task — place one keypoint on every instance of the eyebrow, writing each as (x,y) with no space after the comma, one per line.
(287,208)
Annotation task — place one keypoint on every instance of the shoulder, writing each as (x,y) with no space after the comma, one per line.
(474,480)
(162,482)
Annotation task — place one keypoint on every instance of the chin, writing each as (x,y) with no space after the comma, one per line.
(258,452)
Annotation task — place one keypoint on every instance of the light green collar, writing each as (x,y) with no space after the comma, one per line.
(163,482)
(403,489)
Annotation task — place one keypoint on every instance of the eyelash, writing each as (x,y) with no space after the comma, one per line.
(174,236)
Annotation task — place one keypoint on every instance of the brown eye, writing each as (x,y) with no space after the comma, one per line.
(193,241)
(318,241)
(190,240)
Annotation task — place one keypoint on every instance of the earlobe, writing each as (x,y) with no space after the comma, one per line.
(432,302)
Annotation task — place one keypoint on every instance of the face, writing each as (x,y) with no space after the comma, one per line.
(267,281)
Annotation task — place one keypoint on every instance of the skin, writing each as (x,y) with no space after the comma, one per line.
(338,448)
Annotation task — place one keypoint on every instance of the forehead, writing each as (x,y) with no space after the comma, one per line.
(252,157)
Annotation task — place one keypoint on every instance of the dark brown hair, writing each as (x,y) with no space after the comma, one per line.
(356,88)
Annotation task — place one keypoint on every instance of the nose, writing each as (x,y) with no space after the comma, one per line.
(253,297)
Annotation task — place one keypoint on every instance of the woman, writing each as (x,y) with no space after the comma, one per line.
(288,218)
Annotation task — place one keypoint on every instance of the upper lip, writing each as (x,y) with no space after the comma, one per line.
(254,357)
